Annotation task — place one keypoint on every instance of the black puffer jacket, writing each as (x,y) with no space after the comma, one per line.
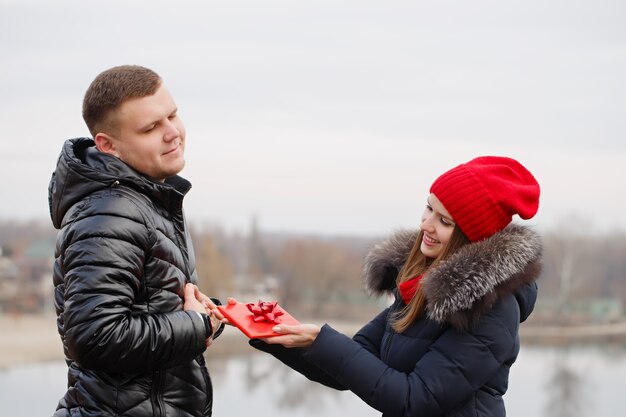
(455,361)
(123,256)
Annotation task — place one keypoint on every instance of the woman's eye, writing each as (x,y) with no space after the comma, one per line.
(428,207)
(445,222)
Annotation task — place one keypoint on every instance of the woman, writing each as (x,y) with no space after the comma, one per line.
(462,286)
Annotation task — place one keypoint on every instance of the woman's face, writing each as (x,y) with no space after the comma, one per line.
(437,225)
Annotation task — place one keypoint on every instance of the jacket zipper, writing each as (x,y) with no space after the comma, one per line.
(386,342)
(387,345)
(207,383)
(156,394)
(179,233)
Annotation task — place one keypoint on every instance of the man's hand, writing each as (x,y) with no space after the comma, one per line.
(218,314)
(204,299)
(210,310)
(191,302)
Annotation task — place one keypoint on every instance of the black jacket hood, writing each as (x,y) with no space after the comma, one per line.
(83,170)
(469,282)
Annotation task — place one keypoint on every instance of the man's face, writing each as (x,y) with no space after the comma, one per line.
(150,135)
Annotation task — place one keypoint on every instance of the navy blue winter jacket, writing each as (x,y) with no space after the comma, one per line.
(455,360)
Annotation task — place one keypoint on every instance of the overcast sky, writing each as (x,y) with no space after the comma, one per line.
(334,116)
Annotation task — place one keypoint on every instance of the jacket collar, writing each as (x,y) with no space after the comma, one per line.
(82,170)
(462,287)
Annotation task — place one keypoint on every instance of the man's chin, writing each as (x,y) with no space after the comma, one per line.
(176,170)
(182,165)
(162,176)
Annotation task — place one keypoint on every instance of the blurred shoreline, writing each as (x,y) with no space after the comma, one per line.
(28,338)
(32,338)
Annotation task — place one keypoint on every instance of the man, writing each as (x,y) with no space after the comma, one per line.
(133,323)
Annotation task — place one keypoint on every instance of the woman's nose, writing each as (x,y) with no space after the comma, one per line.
(426,224)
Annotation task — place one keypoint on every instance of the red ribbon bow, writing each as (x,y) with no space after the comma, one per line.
(265,311)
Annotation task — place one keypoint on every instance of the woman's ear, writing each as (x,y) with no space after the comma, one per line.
(105,144)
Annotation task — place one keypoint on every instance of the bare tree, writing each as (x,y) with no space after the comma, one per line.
(565,391)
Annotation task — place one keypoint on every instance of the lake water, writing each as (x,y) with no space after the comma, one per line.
(544,382)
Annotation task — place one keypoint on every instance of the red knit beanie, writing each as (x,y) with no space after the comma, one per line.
(482,195)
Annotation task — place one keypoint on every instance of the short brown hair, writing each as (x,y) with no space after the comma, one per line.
(113,87)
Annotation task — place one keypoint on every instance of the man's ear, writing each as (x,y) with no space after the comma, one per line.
(106,144)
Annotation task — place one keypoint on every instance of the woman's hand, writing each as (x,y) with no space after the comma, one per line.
(301,335)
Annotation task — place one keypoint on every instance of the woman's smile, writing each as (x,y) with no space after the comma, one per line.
(429,241)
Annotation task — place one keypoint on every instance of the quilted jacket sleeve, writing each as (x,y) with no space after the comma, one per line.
(453,369)
(368,337)
(456,366)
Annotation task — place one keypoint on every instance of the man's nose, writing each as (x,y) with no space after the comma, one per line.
(171,131)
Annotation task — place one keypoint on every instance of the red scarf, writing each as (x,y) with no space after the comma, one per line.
(409,287)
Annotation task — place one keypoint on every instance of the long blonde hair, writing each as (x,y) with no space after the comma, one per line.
(418,264)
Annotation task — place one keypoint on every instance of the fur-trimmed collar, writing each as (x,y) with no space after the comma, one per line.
(469,282)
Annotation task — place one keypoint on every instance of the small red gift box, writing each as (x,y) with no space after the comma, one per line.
(258,323)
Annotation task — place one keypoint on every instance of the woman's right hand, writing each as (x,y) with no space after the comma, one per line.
(291,336)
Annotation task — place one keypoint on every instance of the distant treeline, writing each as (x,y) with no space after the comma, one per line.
(321,275)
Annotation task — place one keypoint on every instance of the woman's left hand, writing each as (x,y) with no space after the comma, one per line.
(301,335)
